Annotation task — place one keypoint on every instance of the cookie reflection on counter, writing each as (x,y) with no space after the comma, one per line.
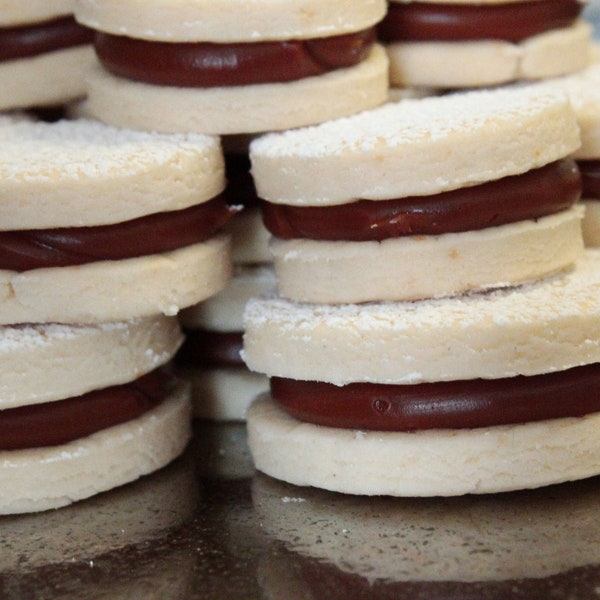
(331,545)
(85,548)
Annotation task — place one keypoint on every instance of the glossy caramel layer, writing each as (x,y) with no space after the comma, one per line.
(152,234)
(215,65)
(31,40)
(442,405)
(55,423)
(511,21)
(537,193)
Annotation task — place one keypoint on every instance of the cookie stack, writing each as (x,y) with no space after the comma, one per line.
(437,329)
(232,70)
(44,54)
(106,235)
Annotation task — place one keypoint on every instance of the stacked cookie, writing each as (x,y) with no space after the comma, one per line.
(437,326)
(463,44)
(44,54)
(106,235)
(229,68)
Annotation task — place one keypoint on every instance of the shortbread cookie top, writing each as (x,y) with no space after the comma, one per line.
(229,20)
(550,325)
(47,362)
(416,147)
(79,173)
(18,12)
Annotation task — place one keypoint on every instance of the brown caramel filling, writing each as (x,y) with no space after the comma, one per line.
(442,405)
(211,348)
(511,22)
(60,422)
(152,234)
(590,178)
(206,64)
(537,193)
(31,40)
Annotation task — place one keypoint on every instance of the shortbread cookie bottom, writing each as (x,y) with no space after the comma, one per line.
(239,109)
(490,62)
(423,463)
(115,290)
(223,394)
(43,478)
(416,267)
(47,79)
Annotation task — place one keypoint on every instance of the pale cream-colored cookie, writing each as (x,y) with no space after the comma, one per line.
(17,12)
(111,290)
(75,173)
(514,536)
(228,21)
(238,109)
(412,268)
(43,478)
(415,147)
(51,78)
(490,62)
(223,394)
(224,311)
(591,223)
(47,362)
(250,238)
(423,463)
(548,325)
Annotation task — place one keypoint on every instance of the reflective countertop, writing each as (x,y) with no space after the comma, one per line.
(209,527)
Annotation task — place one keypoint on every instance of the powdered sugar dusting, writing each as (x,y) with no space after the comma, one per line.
(71,150)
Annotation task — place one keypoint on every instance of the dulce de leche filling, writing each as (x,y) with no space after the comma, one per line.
(537,193)
(23,41)
(511,21)
(206,64)
(211,348)
(152,234)
(590,178)
(442,405)
(60,422)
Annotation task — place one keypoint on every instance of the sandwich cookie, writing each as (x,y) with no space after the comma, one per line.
(423,198)
(223,387)
(102,224)
(44,54)
(228,68)
(65,438)
(460,44)
(482,393)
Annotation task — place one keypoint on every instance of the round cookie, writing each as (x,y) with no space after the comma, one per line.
(46,54)
(233,69)
(43,478)
(212,21)
(462,45)
(544,326)
(241,109)
(423,198)
(441,462)
(102,224)
(38,361)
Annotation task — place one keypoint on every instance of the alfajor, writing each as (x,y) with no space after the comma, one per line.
(65,438)
(233,67)
(44,54)
(423,198)
(463,44)
(481,393)
(102,224)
